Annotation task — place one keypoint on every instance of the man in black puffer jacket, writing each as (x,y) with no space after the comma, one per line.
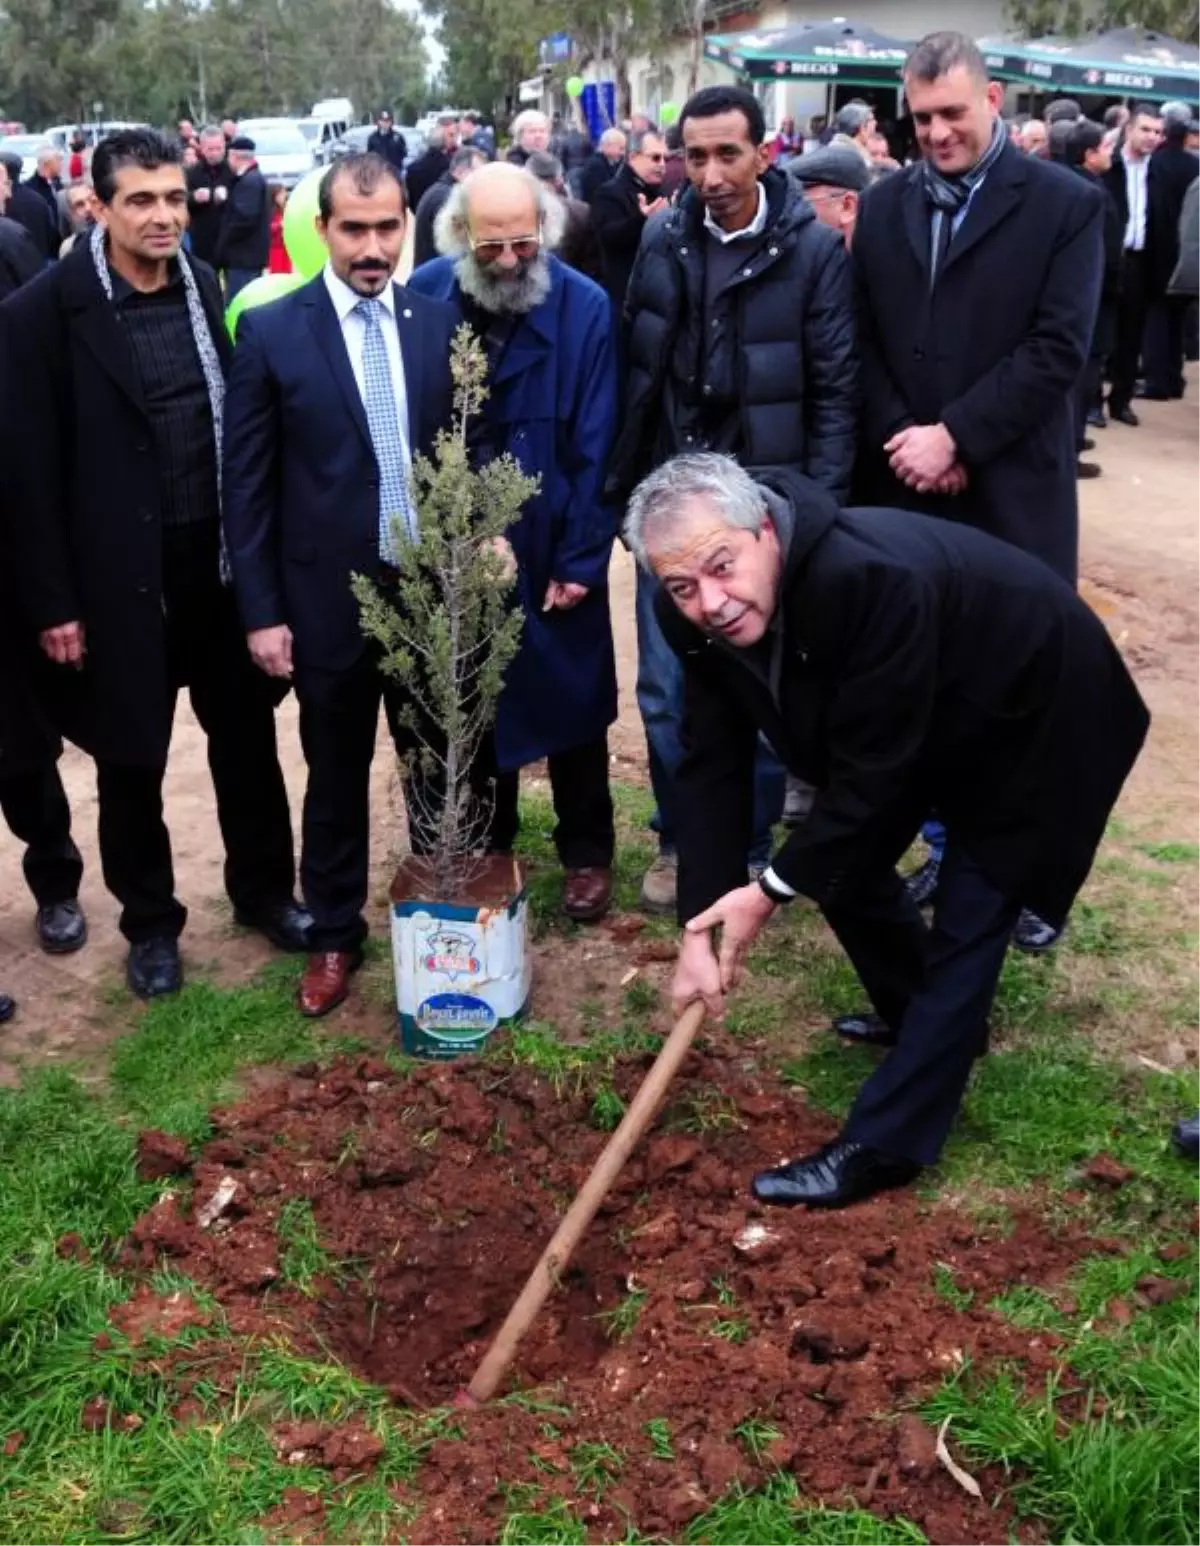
(739,337)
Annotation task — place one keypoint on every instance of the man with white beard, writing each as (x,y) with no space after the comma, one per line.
(552,404)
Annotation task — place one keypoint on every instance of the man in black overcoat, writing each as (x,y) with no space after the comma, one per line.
(1089,155)
(117,550)
(621,206)
(1173,170)
(978,274)
(898,664)
(244,242)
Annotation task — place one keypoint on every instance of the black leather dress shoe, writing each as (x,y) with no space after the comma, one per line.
(865,1030)
(840,1173)
(285,924)
(1152,395)
(1185,1136)
(1098,419)
(1084,470)
(923,883)
(1087,444)
(1124,415)
(61,927)
(8,1007)
(154,968)
(1034,935)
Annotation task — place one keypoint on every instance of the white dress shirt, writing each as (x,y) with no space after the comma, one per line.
(354,333)
(1135,189)
(755,228)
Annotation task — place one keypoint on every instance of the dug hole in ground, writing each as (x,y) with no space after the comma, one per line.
(382,1216)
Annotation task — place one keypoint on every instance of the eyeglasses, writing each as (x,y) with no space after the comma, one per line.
(646,156)
(522,247)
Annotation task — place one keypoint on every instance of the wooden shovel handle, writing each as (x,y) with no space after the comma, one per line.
(553,1260)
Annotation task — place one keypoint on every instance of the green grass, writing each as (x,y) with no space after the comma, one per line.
(1039,1107)
(302,1258)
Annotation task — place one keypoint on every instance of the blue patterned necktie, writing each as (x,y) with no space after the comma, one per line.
(384,424)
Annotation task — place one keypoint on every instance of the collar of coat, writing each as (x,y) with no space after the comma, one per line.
(787,208)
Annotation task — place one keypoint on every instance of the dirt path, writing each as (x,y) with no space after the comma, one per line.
(1141,572)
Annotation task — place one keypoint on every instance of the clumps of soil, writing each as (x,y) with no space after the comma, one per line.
(763,1340)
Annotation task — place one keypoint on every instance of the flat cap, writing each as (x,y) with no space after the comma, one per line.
(834,166)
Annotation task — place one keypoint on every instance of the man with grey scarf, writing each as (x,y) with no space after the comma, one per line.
(118,555)
(978,273)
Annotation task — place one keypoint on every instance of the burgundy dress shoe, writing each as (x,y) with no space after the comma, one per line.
(587,893)
(326,981)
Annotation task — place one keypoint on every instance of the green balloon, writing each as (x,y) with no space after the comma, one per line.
(574,86)
(267,287)
(668,114)
(304,245)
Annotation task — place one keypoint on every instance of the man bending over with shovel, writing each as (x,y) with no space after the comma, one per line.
(901,664)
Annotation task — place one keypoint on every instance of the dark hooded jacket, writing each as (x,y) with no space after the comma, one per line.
(778,347)
(914,664)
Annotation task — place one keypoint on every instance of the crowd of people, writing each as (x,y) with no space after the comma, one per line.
(837,403)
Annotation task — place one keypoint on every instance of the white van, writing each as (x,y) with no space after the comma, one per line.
(327,122)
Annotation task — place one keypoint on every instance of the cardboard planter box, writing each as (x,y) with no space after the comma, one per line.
(462,967)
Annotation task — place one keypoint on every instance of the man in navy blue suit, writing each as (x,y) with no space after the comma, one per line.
(333,389)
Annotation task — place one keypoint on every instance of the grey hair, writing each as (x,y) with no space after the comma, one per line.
(636,141)
(467,156)
(46,152)
(658,502)
(212,131)
(940,52)
(450,226)
(852,118)
(613,135)
(545,167)
(1177,121)
(526,120)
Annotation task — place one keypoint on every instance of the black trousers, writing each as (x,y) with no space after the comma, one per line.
(234,702)
(1163,345)
(584,834)
(36,810)
(1131,328)
(934,986)
(339,715)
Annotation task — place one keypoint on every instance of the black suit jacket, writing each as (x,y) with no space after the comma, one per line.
(244,240)
(619,223)
(30,210)
(923,666)
(594,173)
(205,220)
(423,173)
(85,527)
(1173,170)
(994,351)
(301,481)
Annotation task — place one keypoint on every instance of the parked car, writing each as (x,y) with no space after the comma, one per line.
(60,133)
(283,154)
(354,141)
(26,146)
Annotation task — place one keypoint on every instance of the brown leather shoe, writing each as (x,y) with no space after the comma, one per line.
(326,981)
(587,894)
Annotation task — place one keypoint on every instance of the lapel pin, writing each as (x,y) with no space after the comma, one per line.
(407,312)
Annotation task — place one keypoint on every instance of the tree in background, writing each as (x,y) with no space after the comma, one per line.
(204,60)
(1034,18)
